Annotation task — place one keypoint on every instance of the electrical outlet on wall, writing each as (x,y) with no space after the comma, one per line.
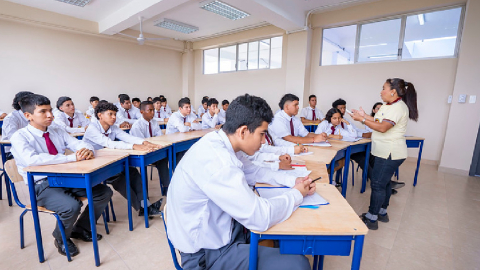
(472,99)
(462,98)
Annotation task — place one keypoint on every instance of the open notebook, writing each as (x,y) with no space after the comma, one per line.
(322,144)
(270,192)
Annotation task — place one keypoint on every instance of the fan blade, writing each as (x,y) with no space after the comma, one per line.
(127,35)
(157,38)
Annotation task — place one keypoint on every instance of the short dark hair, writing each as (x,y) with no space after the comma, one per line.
(205,97)
(149,98)
(62,100)
(247,110)
(161,96)
(104,106)
(331,112)
(338,102)
(374,106)
(163,99)
(123,98)
(94,98)
(18,97)
(119,95)
(212,101)
(135,99)
(155,99)
(145,104)
(183,101)
(311,96)
(287,98)
(225,102)
(30,102)
(204,100)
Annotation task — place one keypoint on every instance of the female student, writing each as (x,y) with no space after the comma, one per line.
(389,148)
(367,132)
(332,126)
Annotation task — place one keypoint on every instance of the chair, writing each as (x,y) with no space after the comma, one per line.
(172,249)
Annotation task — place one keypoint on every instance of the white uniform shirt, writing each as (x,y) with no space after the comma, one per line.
(209,121)
(14,121)
(122,115)
(176,123)
(118,104)
(208,191)
(223,113)
(140,129)
(347,131)
(90,111)
(99,138)
(30,149)
(270,153)
(166,110)
(280,126)
(307,113)
(79,121)
(201,110)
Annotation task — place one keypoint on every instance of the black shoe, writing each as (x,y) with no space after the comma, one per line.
(153,209)
(396,185)
(394,192)
(383,218)
(371,225)
(72,248)
(85,236)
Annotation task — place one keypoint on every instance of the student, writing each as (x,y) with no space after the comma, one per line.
(118,102)
(166,111)
(286,126)
(157,105)
(127,115)
(333,128)
(2,115)
(224,108)
(91,109)
(203,108)
(341,105)
(136,102)
(311,113)
(212,118)
(148,127)
(208,217)
(166,104)
(68,118)
(104,133)
(40,144)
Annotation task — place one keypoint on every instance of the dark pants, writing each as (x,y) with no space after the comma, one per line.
(63,201)
(119,183)
(235,255)
(180,155)
(162,168)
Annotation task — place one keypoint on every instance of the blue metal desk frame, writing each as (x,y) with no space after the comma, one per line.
(7,185)
(74,180)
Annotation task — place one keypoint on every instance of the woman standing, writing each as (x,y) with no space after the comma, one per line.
(389,147)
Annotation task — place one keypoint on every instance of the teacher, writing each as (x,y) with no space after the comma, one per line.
(389,147)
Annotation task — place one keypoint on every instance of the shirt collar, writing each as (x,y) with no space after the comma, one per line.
(37,132)
(226,141)
(66,115)
(99,125)
(395,101)
(144,121)
(284,114)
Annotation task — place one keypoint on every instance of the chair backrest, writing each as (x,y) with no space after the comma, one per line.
(172,249)
(12,171)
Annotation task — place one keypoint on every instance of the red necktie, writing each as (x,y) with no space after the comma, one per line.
(268,139)
(342,125)
(106,134)
(71,122)
(158,113)
(52,150)
(291,127)
(333,130)
(150,129)
(184,119)
(128,115)
(314,117)
(165,109)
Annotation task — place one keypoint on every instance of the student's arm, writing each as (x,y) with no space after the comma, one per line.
(136,132)
(207,122)
(255,174)
(74,144)
(95,136)
(125,137)
(178,124)
(156,131)
(9,127)
(310,138)
(84,121)
(2,115)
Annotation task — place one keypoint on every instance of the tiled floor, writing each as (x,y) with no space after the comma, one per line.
(435,225)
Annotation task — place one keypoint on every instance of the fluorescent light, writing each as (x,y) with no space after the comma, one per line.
(224,10)
(382,56)
(176,26)
(80,3)
(421,19)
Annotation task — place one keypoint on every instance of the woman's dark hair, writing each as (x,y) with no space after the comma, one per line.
(62,100)
(104,106)
(18,97)
(407,92)
(246,110)
(374,106)
(30,102)
(183,101)
(338,102)
(330,114)
(287,98)
(212,101)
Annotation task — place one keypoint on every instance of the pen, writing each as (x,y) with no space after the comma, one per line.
(316,179)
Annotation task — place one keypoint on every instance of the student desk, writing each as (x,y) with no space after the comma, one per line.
(162,124)
(311,126)
(416,142)
(3,144)
(83,174)
(328,230)
(141,159)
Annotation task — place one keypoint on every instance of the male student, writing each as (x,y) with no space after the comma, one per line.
(148,127)
(69,118)
(104,133)
(127,114)
(210,201)
(166,104)
(212,118)
(311,113)
(203,108)
(165,109)
(157,105)
(91,109)
(136,102)
(286,126)
(40,144)
(224,108)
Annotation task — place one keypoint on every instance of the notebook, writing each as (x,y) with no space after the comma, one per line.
(321,144)
(270,192)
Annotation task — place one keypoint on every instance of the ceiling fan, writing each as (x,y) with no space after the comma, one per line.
(141,39)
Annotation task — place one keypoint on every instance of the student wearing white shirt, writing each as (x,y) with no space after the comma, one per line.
(147,127)
(118,102)
(136,102)
(103,133)
(286,126)
(168,109)
(127,114)
(203,108)
(39,144)
(165,110)
(311,113)
(69,118)
(224,108)
(212,118)
(90,113)
(332,127)
(211,205)
(157,113)
(342,106)
(15,120)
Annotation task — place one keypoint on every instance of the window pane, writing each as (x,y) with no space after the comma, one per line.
(431,34)
(253,55)
(379,41)
(242,56)
(264,60)
(276,55)
(228,57)
(210,61)
(338,46)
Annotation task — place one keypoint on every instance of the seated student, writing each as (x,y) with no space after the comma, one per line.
(212,118)
(341,105)
(203,109)
(91,109)
(157,105)
(136,102)
(367,132)
(104,133)
(286,126)
(69,118)
(149,99)
(224,108)
(311,113)
(118,102)
(165,108)
(148,127)
(40,144)
(333,128)
(2,114)
(208,217)
(166,104)
(127,115)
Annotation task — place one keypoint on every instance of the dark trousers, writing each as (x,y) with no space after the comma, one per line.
(180,156)
(235,255)
(162,168)
(119,183)
(63,201)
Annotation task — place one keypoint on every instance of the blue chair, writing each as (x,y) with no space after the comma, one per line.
(172,249)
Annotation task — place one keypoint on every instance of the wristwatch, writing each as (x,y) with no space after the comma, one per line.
(363,122)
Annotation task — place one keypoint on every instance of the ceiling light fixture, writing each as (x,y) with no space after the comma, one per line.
(176,26)
(421,19)
(223,9)
(79,3)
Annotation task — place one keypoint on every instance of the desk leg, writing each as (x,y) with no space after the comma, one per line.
(36,220)
(357,252)
(144,189)
(170,163)
(332,168)
(7,181)
(365,167)
(345,172)
(174,157)
(91,213)
(253,251)
(129,197)
(418,164)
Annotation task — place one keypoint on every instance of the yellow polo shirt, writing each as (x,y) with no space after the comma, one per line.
(393,141)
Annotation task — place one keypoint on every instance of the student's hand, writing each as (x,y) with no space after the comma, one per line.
(285,165)
(299,149)
(286,157)
(188,124)
(305,186)
(357,117)
(320,137)
(151,146)
(196,121)
(3,116)
(86,128)
(165,120)
(336,137)
(345,121)
(125,125)
(84,154)
(216,111)
(218,126)
(142,147)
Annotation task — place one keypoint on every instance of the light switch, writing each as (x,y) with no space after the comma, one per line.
(472,99)
(462,98)
(450,98)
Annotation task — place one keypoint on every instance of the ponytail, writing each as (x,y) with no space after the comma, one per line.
(407,92)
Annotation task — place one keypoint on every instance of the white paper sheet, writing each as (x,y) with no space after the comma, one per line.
(321,144)
(270,192)
(303,154)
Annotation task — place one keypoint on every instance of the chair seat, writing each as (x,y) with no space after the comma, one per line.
(40,209)
(340,164)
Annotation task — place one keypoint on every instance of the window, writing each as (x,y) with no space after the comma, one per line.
(411,36)
(260,54)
